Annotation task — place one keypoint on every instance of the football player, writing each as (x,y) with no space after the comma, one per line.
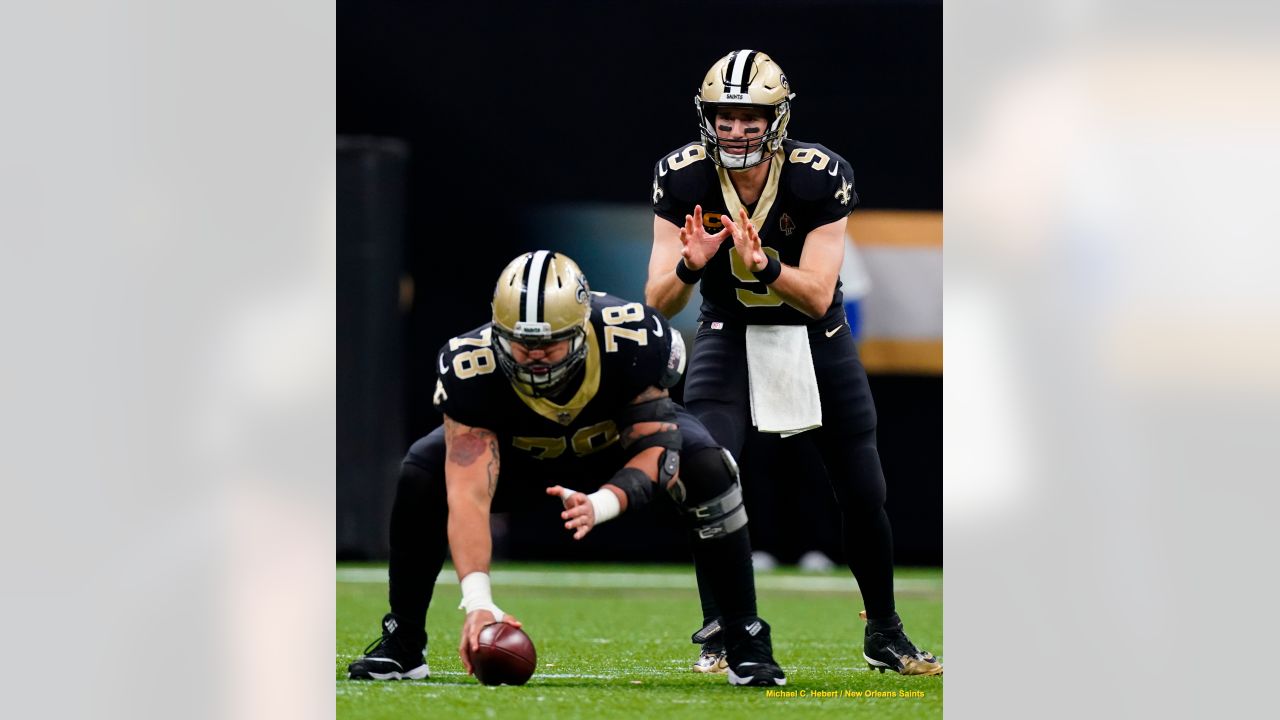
(759,220)
(569,384)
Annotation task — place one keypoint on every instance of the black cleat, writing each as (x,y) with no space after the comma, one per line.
(711,657)
(750,651)
(886,647)
(394,656)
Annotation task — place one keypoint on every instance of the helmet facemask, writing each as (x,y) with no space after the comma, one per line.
(540,378)
(758,149)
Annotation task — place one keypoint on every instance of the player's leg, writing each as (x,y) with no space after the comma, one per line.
(847,442)
(715,389)
(709,497)
(716,393)
(419,541)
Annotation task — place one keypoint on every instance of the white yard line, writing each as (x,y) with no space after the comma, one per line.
(653,581)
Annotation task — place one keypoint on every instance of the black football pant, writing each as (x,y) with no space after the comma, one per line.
(419,519)
(716,392)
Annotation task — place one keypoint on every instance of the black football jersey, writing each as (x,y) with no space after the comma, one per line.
(630,348)
(808,186)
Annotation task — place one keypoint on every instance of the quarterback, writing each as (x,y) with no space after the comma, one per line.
(569,384)
(759,220)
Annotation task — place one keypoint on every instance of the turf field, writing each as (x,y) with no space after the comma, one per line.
(613,641)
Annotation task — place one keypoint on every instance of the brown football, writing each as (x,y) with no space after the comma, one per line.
(505,656)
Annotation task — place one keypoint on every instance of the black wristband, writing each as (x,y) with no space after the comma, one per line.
(634,484)
(769,272)
(687,276)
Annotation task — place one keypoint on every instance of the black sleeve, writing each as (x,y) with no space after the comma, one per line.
(462,398)
(676,357)
(828,190)
(639,367)
(675,191)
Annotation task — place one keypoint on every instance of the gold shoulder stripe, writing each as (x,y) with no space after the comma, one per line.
(567,413)
(764,204)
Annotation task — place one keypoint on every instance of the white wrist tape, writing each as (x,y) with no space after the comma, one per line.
(476,595)
(605,504)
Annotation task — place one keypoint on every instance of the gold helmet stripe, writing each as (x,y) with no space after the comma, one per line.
(533,285)
(740,69)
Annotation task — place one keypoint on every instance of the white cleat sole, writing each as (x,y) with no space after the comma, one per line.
(419,673)
(735,679)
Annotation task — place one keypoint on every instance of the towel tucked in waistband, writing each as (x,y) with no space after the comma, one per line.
(783,385)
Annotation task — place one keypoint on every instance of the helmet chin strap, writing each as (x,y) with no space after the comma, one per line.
(741,162)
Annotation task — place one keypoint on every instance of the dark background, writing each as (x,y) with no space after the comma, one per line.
(502,107)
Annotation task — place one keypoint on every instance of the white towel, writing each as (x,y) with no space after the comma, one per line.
(783,385)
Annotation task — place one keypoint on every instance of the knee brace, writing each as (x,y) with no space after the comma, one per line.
(720,515)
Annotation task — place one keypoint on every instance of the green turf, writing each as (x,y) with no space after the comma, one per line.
(605,653)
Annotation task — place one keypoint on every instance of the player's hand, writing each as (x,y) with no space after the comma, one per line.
(697,247)
(579,514)
(746,241)
(475,622)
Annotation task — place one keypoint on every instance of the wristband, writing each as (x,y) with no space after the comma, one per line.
(769,272)
(477,596)
(687,275)
(605,504)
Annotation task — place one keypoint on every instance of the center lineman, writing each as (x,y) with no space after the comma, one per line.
(569,384)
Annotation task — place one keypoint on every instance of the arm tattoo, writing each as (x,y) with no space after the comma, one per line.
(492,468)
(651,393)
(631,433)
(466,447)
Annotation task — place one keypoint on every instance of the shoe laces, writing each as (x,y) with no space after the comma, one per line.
(901,645)
(377,643)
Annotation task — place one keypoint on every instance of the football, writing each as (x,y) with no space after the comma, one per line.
(505,656)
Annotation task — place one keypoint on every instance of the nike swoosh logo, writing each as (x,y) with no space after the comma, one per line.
(658,327)
(833,331)
(835,168)
(443,368)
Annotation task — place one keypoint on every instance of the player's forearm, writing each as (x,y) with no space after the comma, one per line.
(805,290)
(618,493)
(471,479)
(667,293)
(469,541)
(646,461)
